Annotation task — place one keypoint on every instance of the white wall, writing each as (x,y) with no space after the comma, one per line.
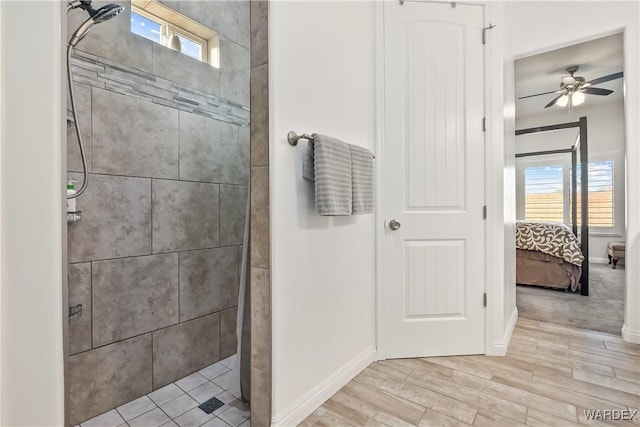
(32,204)
(509,177)
(2,276)
(605,138)
(541,26)
(321,70)
(501,313)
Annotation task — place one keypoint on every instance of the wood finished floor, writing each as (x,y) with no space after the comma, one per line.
(551,374)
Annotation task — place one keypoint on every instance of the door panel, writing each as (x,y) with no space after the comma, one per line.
(434,159)
(435,128)
(434,286)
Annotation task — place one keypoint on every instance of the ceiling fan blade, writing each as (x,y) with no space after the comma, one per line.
(538,94)
(605,78)
(596,91)
(554,100)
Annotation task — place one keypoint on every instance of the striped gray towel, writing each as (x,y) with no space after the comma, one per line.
(308,171)
(362,181)
(328,162)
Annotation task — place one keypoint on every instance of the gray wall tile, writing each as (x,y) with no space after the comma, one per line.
(208,281)
(260,116)
(83,107)
(116,219)
(244,23)
(260,237)
(260,398)
(259,32)
(186,215)
(260,319)
(228,340)
(220,16)
(177,67)
(80,293)
(234,71)
(134,137)
(113,39)
(107,377)
(244,138)
(209,150)
(185,348)
(132,296)
(233,210)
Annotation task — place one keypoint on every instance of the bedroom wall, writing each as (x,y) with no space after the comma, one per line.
(541,26)
(606,138)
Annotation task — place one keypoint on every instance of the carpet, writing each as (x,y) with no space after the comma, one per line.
(602,310)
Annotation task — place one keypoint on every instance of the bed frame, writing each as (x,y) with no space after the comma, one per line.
(579,155)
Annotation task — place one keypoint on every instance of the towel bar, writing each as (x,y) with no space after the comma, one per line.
(293,138)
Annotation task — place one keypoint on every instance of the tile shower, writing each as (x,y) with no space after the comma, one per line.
(155,261)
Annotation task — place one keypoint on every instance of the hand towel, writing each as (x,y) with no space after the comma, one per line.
(332,173)
(362,180)
(308,170)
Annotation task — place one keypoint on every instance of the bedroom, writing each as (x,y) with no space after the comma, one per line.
(554,283)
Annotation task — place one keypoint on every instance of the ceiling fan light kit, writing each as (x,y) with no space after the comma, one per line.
(573,89)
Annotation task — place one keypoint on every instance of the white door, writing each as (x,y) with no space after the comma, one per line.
(434,185)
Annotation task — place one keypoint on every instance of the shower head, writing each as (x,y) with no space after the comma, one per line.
(107,12)
(95,17)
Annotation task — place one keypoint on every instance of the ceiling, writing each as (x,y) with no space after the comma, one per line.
(542,73)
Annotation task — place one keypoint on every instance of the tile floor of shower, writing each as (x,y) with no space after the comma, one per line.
(176,404)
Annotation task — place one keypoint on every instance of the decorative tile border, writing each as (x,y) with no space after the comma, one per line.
(105,74)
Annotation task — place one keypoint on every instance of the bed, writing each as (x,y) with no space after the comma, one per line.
(547,254)
(563,264)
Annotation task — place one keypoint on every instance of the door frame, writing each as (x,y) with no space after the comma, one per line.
(498,328)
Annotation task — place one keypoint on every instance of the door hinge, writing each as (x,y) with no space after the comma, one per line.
(484,212)
(484,299)
(484,33)
(484,124)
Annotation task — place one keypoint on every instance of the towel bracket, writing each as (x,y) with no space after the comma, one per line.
(293,137)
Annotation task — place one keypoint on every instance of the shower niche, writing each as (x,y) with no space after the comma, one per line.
(156,260)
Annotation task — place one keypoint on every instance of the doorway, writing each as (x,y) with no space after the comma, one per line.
(544,183)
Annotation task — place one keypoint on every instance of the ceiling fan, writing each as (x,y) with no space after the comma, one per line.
(573,89)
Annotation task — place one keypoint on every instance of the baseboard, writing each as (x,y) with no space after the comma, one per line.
(500,347)
(630,336)
(596,260)
(312,400)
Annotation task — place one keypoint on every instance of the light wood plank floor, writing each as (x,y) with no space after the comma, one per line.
(551,375)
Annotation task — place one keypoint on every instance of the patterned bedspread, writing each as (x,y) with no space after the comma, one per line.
(550,238)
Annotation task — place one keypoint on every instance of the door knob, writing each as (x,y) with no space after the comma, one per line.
(394,225)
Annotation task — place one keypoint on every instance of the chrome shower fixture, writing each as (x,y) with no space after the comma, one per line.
(95,17)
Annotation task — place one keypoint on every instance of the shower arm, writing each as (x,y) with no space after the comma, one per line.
(84,4)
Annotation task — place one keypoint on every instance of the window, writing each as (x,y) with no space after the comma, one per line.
(547,193)
(544,193)
(146,28)
(601,194)
(160,24)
